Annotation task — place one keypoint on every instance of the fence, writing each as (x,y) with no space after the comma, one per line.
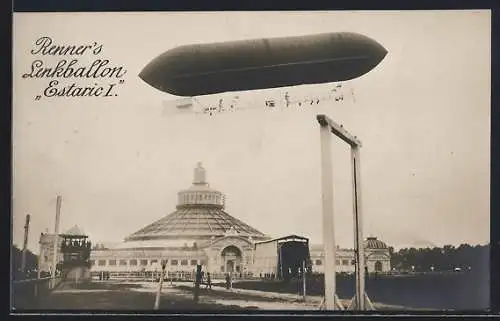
(26,294)
(170,275)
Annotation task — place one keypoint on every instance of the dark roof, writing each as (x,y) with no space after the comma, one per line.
(373,243)
(289,237)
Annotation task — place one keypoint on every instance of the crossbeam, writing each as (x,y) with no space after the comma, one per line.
(338,130)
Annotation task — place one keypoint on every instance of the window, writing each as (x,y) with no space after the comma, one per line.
(144,262)
(112,262)
(154,261)
(318,262)
(101,262)
(133,262)
(175,262)
(345,262)
(203,262)
(337,262)
(92,262)
(194,262)
(184,262)
(123,262)
(222,268)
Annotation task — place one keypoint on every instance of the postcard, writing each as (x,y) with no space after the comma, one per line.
(251,161)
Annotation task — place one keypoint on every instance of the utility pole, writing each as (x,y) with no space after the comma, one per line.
(40,253)
(56,240)
(25,244)
(304,280)
(160,284)
(197,283)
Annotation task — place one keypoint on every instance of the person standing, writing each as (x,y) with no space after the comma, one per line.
(209,281)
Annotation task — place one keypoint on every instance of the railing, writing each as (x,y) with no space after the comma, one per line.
(169,275)
(26,294)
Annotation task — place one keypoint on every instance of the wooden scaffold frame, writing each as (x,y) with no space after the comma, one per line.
(331,300)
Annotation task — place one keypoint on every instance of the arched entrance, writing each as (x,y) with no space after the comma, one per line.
(378,266)
(231,258)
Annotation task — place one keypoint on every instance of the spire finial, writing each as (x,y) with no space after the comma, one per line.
(199,174)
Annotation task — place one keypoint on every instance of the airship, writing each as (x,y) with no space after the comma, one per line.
(205,69)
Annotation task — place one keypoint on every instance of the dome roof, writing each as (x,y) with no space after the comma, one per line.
(75,231)
(198,221)
(200,215)
(373,243)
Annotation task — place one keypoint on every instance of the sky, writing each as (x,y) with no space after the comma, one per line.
(423,115)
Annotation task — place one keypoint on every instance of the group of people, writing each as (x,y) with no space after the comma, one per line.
(267,276)
(27,274)
(76,243)
(32,273)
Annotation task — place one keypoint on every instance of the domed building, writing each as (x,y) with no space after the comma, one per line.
(198,232)
(377,257)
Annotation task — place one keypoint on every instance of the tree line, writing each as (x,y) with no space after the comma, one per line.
(447,258)
(16,259)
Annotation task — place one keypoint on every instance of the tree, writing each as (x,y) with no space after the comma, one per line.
(31,262)
(441,259)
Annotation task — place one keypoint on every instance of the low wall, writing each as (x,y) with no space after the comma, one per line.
(26,294)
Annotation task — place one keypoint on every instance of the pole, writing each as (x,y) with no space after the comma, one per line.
(197,283)
(358,230)
(160,284)
(280,268)
(328,227)
(56,239)
(39,264)
(304,280)
(40,253)
(25,244)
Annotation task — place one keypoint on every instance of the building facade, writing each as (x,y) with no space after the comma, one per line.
(201,232)
(46,241)
(377,257)
(198,232)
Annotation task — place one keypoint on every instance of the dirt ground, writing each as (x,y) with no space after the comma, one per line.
(140,297)
(111,296)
